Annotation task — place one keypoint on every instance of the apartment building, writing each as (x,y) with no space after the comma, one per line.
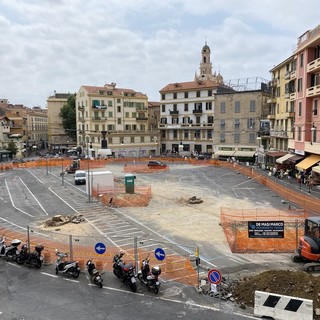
(187,111)
(294,105)
(58,140)
(241,127)
(121,114)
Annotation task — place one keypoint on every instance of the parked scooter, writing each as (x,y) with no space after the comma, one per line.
(150,279)
(94,274)
(11,251)
(124,271)
(30,258)
(66,267)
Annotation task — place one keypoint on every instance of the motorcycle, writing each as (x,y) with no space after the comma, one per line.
(10,252)
(124,271)
(94,274)
(67,267)
(30,258)
(150,279)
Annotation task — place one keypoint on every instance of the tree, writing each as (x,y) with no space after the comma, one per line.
(68,115)
(12,147)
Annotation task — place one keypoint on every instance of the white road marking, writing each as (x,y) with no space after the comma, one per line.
(49,274)
(35,176)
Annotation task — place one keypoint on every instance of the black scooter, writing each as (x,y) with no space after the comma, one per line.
(150,279)
(94,274)
(30,258)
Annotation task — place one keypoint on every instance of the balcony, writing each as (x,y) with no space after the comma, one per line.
(5,129)
(197,111)
(279,134)
(99,107)
(287,75)
(263,133)
(291,114)
(81,119)
(272,100)
(287,95)
(293,75)
(81,108)
(97,119)
(271,116)
(141,118)
(293,96)
(174,112)
(313,91)
(273,82)
(314,65)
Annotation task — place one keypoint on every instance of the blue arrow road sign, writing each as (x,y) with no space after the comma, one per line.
(159,254)
(100,248)
(214,276)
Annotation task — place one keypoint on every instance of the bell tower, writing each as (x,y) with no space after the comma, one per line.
(205,65)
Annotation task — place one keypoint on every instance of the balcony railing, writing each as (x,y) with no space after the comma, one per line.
(314,65)
(174,112)
(141,118)
(293,75)
(293,96)
(271,116)
(313,91)
(272,100)
(99,107)
(273,82)
(80,107)
(195,111)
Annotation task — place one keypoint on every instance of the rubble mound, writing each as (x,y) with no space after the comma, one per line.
(290,283)
(194,200)
(60,220)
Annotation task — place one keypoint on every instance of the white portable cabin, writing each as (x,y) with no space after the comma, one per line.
(99,179)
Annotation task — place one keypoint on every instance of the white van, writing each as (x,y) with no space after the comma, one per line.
(80,177)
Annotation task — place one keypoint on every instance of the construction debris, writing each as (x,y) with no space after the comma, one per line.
(194,200)
(60,220)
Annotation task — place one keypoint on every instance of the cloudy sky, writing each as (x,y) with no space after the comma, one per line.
(48,45)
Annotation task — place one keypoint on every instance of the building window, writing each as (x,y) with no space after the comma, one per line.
(222,124)
(127,115)
(110,114)
(250,123)
(186,134)
(237,138)
(142,127)
(210,119)
(223,107)
(142,139)
(252,105)
(315,107)
(134,127)
(119,108)
(236,124)
(237,107)
(163,108)
(110,103)
(197,134)
(209,134)
(222,137)
(119,120)
(299,133)
(174,95)
(209,105)
(163,96)
(300,109)
(186,95)
(301,60)
(96,127)
(198,94)
(118,101)
(209,93)
(185,107)
(252,137)
(132,139)
(299,84)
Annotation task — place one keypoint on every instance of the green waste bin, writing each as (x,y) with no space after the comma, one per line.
(129,182)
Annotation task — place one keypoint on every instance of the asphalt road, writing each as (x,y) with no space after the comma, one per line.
(29,294)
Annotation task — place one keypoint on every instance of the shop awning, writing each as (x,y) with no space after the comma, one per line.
(245,154)
(224,153)
(275,154)
(308,162)
(284,158)
(316,169)
(295,158)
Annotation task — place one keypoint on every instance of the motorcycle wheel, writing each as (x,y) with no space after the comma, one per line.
(117,273)
(156,290)
(75,273)
(38,264)
(19,260)
(57,270)
(12,256)
(100,285)
(133,287)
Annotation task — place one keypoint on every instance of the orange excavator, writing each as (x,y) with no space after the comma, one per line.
(309,245)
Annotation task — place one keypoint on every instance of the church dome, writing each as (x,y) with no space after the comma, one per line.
(205,47)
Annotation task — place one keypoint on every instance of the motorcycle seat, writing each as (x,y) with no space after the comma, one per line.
(127,267)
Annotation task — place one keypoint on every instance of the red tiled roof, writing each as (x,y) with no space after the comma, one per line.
(117,91)
(201,84)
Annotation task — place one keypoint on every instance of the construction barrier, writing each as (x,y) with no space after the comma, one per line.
(236,229)
(280,307)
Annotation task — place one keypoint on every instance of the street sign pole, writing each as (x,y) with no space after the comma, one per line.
(198,267)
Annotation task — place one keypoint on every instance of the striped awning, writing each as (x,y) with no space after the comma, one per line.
(225,153)
(244,154)
(285,158)
(316,169)
(308,162)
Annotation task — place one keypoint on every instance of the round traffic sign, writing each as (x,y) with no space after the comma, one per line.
(159,254)
(100,248)
(214,276)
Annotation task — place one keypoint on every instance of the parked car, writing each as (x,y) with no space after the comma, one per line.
(80,177)
(156,164)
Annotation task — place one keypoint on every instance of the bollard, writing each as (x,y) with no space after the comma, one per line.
(81,264)
(47,259)
(99,265)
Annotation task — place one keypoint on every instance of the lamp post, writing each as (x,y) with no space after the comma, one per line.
(258,153)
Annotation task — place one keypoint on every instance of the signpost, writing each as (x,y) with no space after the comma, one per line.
(214,276)
(266,229)
(100,248)
(159,254)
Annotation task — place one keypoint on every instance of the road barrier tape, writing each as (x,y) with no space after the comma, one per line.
(282,307)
